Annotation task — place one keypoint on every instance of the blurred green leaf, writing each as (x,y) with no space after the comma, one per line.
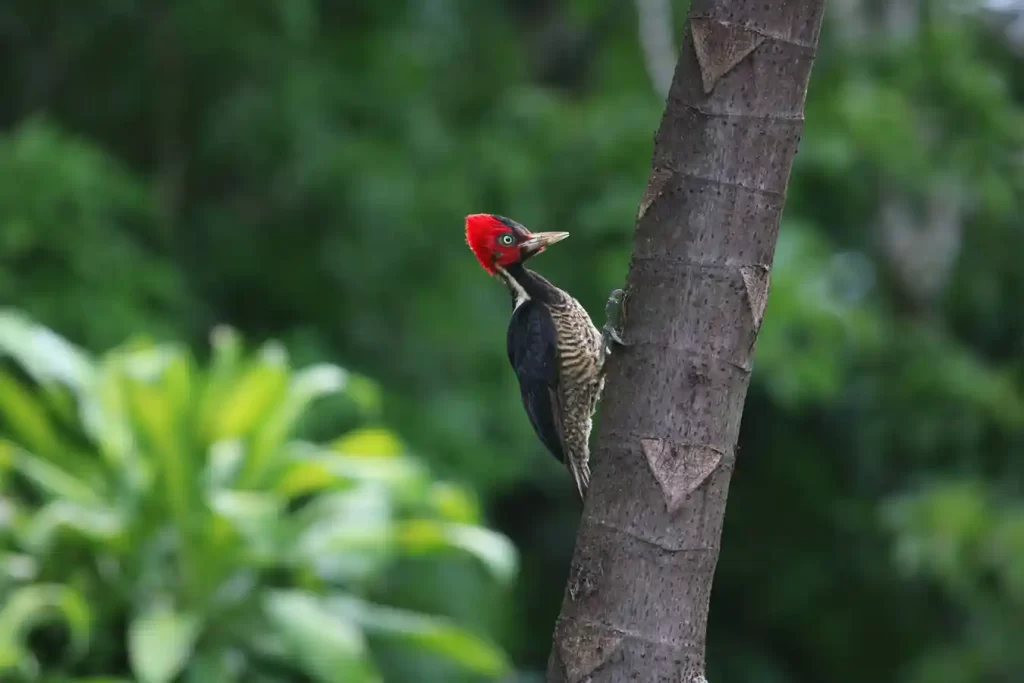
(41,353)
(225,363)
(261,386)
(492,549)
(369,442)
(160,642)
(347,535)
(306,386)
(101,525)
(29,606)
(454,503)
(366,394)
(214,667)
(433,634)
(47,475)
(28,419)
(307,476)
(328,648)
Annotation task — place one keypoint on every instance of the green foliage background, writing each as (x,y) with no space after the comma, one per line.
(299,171)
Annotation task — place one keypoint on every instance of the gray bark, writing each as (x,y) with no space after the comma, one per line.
(636,605)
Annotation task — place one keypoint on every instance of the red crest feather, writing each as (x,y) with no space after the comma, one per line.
(481,229)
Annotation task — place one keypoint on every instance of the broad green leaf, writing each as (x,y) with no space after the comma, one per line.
(325,646)
(434,634)
(366,394)
(61,402)
(397,474)
(394,473)
(26,418)
(178,381)
(105,414)
(246,506)
(52,479)
(246,403)
(152,410)
(14,658)
(18,567)
(224,366)
(305,387)
(493,549)
(145,362)
(215,667)
(306,476)
(346,535)
(373,441)
(97,523)
(43,355)
(317,380)
(453,503)
(255,517)
(8,454)
(154,414)
(160,643)
(26,607)
(223,463)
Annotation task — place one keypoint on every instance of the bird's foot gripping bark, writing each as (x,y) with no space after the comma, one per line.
(615,318)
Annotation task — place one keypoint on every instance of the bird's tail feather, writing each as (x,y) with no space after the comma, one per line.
(581,474)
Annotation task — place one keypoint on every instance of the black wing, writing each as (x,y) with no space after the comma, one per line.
(534,357)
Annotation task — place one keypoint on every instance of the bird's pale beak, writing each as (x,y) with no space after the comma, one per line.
(539,241)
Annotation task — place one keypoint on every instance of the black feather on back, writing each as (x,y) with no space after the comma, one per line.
(534,357)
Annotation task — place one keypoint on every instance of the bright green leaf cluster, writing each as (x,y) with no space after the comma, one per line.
(141,488)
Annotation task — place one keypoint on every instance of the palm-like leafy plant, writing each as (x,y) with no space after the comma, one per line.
(170,505)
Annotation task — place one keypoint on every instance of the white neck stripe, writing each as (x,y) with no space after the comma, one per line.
(517,290)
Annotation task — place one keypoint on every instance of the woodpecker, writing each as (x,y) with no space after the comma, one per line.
(555,349)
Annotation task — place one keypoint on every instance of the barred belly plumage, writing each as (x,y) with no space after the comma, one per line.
(580,383)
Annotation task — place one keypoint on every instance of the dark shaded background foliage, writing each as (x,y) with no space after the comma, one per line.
(300,170)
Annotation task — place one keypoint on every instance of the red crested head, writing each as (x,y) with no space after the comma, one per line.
(500,242)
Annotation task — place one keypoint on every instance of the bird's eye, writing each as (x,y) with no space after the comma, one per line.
(507,240)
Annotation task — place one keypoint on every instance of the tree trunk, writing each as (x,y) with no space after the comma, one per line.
(636,604)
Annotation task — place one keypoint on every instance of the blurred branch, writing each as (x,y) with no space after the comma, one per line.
(848,20)
(857,20)
(169,151)
(1006,17)
(655,28)
(921,251)
(564,50)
